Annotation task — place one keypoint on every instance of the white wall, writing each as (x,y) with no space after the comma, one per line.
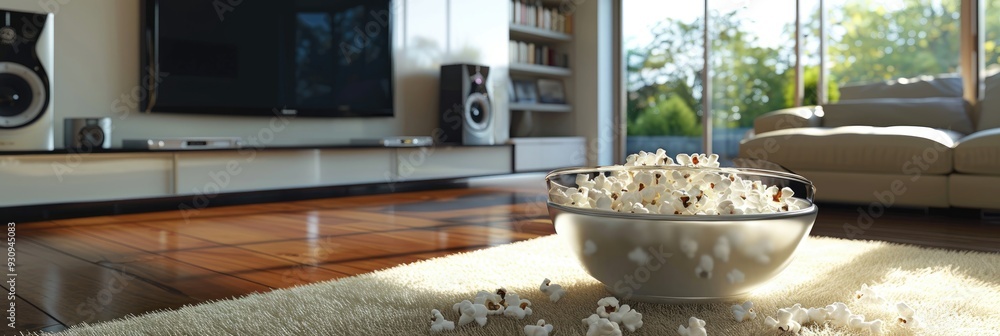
(97,63)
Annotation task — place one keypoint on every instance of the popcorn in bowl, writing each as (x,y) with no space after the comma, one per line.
(727,230)
(678,189)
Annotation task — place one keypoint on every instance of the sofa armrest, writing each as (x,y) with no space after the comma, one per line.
(795,117)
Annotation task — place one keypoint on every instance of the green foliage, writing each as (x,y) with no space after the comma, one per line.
(991,45)
(666,116)
(872,43)
(868,40)
(810,81)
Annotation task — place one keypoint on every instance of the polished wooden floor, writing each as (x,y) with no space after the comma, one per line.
(101,268)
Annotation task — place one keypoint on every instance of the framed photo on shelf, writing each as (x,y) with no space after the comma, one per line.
(526,91)
(551,91)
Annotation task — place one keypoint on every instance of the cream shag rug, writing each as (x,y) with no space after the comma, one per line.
(957,293)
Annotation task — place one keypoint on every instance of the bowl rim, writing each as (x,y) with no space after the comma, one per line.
(757,171)
(684,218)
(813,208)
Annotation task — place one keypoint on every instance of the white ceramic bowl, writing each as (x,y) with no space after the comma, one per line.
(745,251)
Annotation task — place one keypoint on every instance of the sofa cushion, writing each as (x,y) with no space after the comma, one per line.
(792,117)
(894,150)
(974,191)
(979,153)
(943,113)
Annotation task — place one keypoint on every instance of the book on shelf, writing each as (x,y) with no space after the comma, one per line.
(512,51)
(540,54)
(534,14)
(522,54)
(531,53)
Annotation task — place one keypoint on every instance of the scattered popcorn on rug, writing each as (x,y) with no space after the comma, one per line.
(743,312)
(676,190)
(471,312)
(857,322)
(593,318)
(617,315)
(516,307)
(818,315)
(554,291)
(538,329)
(604,327)
(438,323)
(796,317)
(606,306)
(696,327)
(492,301)
(799,314)
(868,295)
(907,317)
(632,320)
(784,322)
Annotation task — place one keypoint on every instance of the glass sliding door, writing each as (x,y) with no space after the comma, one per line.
(990,109)
(991,45)
(752,66)
(812,48)
(662,42)
(752,61)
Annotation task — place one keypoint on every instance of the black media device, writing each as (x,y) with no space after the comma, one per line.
(304,58)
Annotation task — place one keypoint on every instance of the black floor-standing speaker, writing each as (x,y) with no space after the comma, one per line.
(466,105)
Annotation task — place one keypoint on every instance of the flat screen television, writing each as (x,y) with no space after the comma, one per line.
(311,58)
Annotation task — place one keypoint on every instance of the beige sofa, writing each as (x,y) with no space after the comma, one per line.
(919,152)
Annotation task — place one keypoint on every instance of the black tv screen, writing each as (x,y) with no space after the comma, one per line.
(304,57)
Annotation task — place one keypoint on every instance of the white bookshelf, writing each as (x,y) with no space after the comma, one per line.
(538,70)
(529,33)
(543,134)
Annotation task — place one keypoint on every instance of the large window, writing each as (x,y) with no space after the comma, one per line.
(752,63)
(752,66)
(663,55)
(873,41)
(991,45)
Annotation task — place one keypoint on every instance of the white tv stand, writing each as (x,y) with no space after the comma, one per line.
(59,177)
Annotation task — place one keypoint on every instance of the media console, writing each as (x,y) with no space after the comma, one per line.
(68,176)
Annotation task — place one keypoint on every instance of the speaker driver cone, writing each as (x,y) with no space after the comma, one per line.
(477,111)
(22,95)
